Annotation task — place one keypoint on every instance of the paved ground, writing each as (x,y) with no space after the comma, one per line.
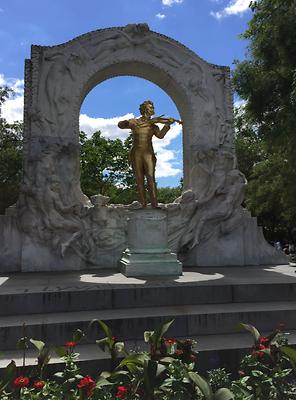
(108,279)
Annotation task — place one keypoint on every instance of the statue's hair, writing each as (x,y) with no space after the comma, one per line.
(144,105)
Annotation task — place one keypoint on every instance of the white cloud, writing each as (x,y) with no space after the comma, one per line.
(171,2)
(12,109)
(234,7)
(166,164)
(160,16)
(17,85)
(108,126)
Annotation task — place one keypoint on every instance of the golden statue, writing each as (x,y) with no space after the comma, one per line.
(142,155)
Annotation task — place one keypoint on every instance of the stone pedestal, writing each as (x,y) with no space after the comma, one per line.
(147,253)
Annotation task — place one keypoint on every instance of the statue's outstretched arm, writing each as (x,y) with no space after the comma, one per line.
(160,133)
(123,124)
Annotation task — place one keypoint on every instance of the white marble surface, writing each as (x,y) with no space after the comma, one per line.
(56,227)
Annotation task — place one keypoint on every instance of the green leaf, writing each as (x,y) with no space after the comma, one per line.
(59,374)
(256,373)
(22,343)
(251,329)
(9,374)
(202,384)
(38,344)
(272,336)
(105,328)
(60,351)
(160,331)
(244,379)
(102,382)
(117,374)
(147,336)
(160,368)
(43,358)
(102,343)
(223,394)
(289,352)
(124,377)
(136,358)
(105,374)
(78,335)
(167,360)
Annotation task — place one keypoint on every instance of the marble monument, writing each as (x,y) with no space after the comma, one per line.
(54,226)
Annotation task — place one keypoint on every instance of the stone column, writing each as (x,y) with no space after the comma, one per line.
(147,253)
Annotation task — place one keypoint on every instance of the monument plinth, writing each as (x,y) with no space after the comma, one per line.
(148,253)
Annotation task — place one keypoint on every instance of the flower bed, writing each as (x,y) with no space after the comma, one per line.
(168,371)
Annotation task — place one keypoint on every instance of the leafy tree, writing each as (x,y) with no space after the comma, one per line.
(10,157)
(168,194)
(266,80)
(250,148)
(104,164)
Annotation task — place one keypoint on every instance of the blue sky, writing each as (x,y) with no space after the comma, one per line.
(208,27)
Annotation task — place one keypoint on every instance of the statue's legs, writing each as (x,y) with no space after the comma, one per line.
(141,189)
(152,191)
(138,168)
(149,167)
(143,164)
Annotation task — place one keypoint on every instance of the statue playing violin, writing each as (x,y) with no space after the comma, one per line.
(142,156)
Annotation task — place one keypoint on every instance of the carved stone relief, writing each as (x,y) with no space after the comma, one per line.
(56,221)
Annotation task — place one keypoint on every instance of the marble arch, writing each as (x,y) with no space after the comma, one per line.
(54,226)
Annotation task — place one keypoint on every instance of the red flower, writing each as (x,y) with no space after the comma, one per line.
(258,354)
(179,352)
(121,392)
(114,338)
(260,347)
(71,344)
(39,385)
(170,341)
(264,341)
(87,383)
(192,358)
(21,381)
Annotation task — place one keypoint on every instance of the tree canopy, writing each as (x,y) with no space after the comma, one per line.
(10,157)
(266,126)
(104,165)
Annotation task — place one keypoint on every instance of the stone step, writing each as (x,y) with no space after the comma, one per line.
(213,351)
(34,293)
(129,324)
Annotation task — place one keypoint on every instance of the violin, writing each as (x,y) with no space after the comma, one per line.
(163,120)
